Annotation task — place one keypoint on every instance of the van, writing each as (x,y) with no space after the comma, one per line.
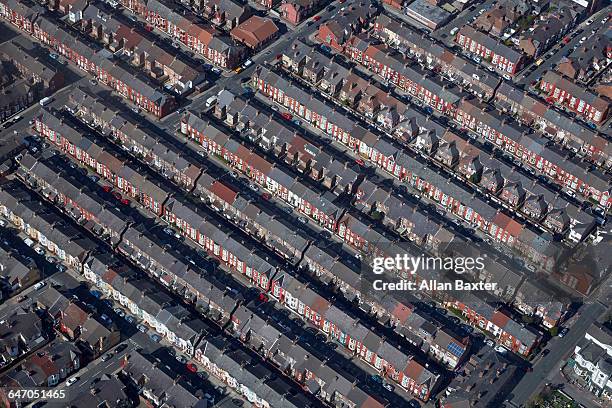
(211,101)
(454,31)
(45,101)
(539,62)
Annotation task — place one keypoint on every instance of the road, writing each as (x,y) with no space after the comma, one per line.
(584,30)
(232,82)
(560,349)
(465,17)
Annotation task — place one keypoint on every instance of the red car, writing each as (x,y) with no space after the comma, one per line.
(149,27)
(266,196)
(360,162)
(107,189)
(287,116)
(117,196)
(191,367)
(125,201)
(263,297)
(316,18)
(279,56)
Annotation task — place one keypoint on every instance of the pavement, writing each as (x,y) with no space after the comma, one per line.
(547,368)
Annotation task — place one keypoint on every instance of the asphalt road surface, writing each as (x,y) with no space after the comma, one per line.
(560,349)
(583,31)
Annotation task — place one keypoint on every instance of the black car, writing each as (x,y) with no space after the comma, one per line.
(120,348)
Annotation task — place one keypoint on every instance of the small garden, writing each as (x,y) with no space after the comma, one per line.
(552,399)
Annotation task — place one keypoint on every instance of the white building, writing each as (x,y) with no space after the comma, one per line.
(593,356)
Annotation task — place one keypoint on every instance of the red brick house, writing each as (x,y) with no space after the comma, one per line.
(296,11)
(502,57)
(564,92)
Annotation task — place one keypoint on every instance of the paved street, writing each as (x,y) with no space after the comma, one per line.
(527,76)
(232,81)
(465,17)
(560,349)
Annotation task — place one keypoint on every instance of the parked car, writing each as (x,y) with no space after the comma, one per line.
(500,349)
(388,386)
(107,357)
(71,381)
(155,337)
(120,348)
(141,328)
(563,332)
(95,293)
(377,379)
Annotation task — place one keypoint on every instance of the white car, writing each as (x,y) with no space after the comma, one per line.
(500,349)
(71,381)
(39,250)
(39,285)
